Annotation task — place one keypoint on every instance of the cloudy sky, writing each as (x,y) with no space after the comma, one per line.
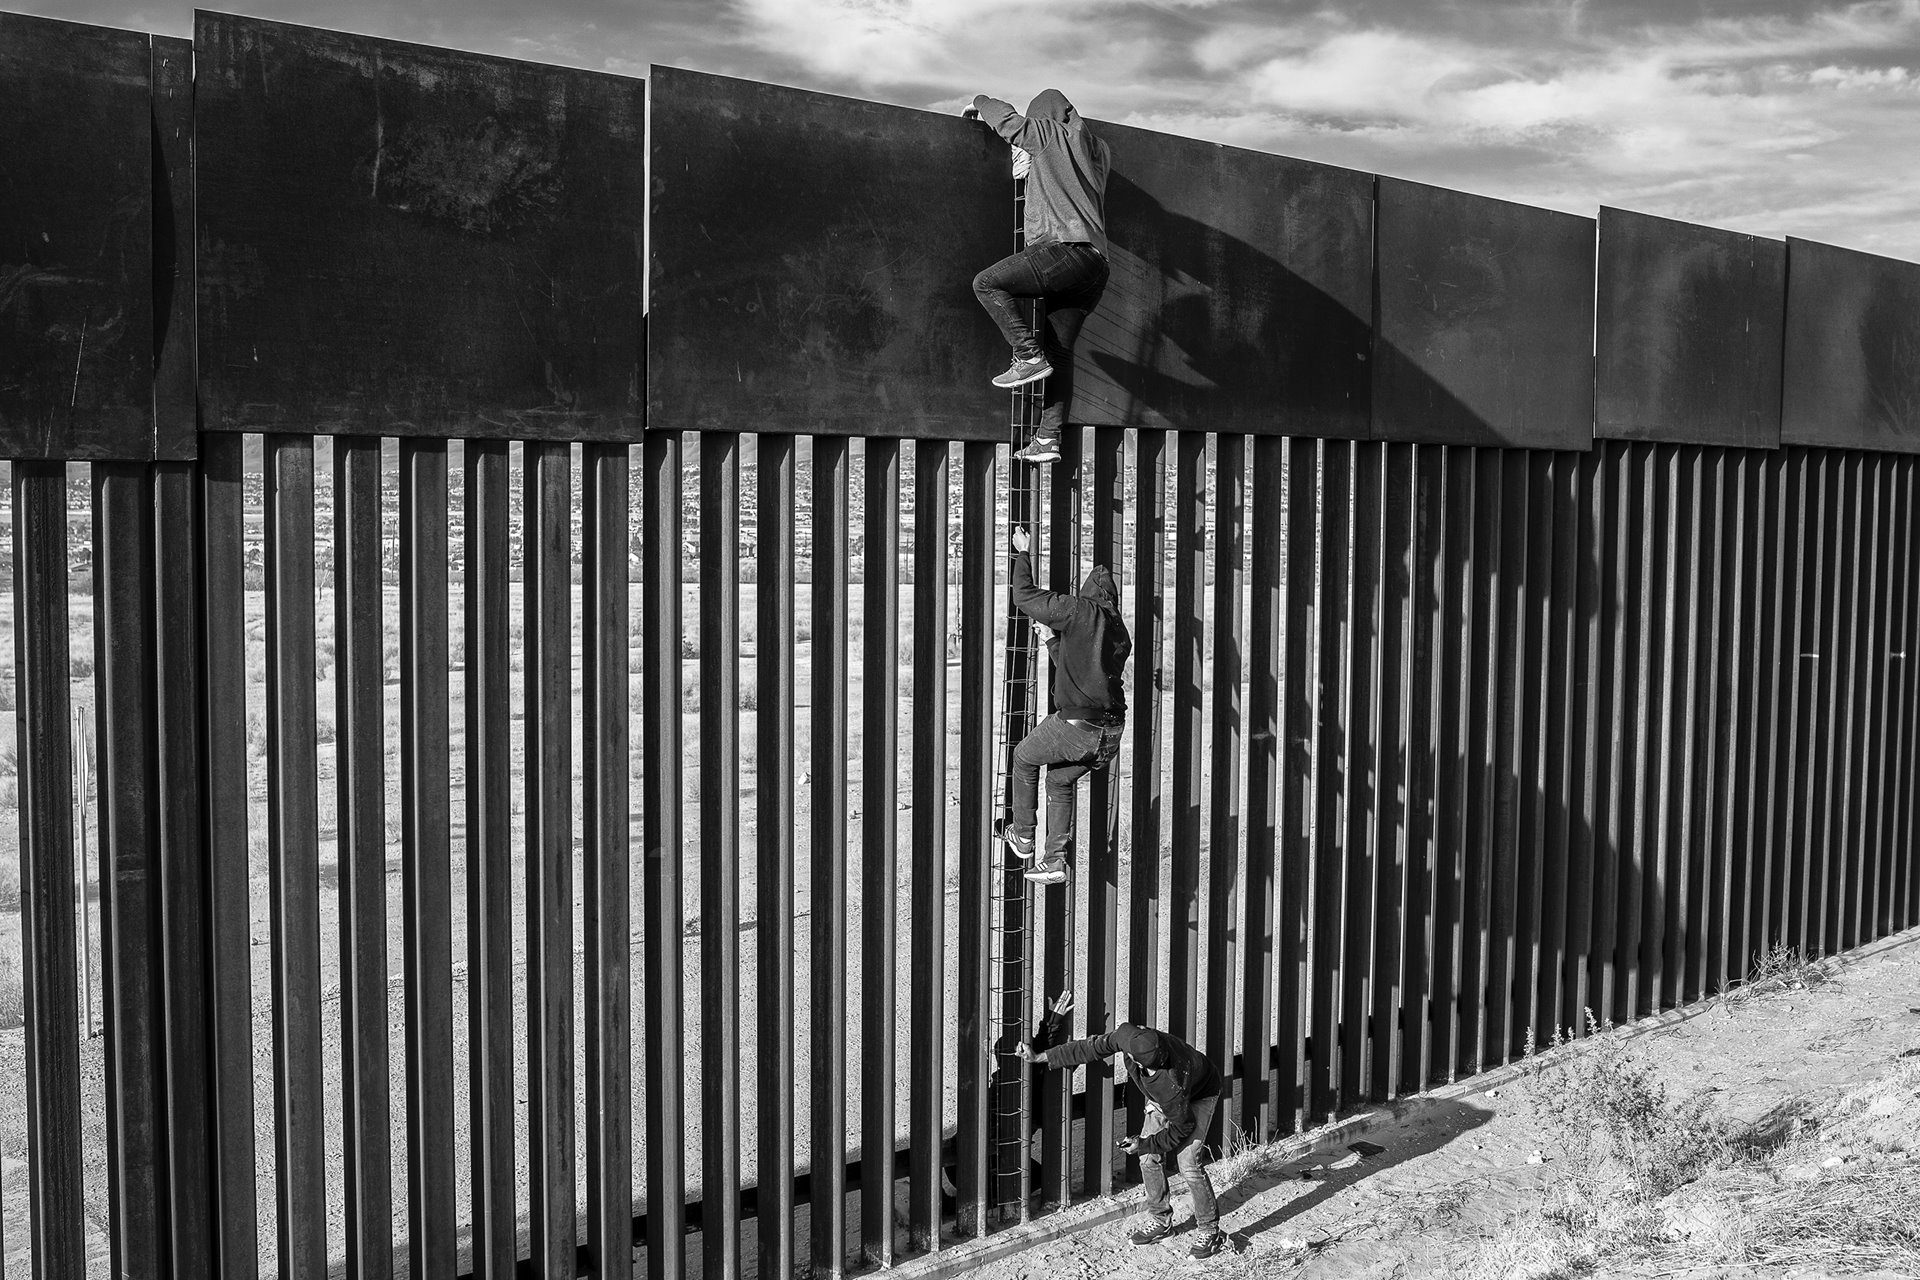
(1773,116)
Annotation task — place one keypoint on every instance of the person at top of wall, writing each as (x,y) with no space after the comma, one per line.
(1090,646)
(1064,261)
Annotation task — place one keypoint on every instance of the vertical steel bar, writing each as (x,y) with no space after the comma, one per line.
(1144,912)
(927,995)
(361,854)
(1055,1088)
(1790,519)
(1894,783)
(1873,742)
(1421,932)
(1228,643)
(1299,711)
(827,699)
(1360,769)
(1456,614)
(1744,779)
(220,544)
(57,1228)
(1907,882)
(773,755)
(1266,511)
(606,846)
(1393,1004)
(123,648)
(293,859)
(879,803)
(1815,654)
(1188,660)
(661,833)
(1586,775)
(183,915)
(1704,841)
(1325,961)
(1683,722)
(979,473)
(1617,507)
(426,853)
(1557,587)
(1108,501)
(1854,629)
(1841,539)
(1639,836)
(1722,852)
(547,721)
(1512,757)
(489,857)
(720,854)
(1223,840)
(1479,738)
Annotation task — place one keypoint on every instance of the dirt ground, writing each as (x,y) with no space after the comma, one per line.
(1456,1174)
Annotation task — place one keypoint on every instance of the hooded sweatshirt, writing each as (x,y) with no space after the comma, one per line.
(1090,645)
(1067,184)
(1178,1076)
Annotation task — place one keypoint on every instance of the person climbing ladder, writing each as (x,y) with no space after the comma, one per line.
(1064,259)
(1090,646)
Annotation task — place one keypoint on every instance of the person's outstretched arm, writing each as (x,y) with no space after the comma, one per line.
(1052,608)
(1028,135)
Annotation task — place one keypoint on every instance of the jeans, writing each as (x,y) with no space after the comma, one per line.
(1153,1169)
(1068,752)
(1068,279)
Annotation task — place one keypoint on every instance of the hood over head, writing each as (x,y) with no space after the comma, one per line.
(1099,587)
(1140,1044)
(1050,104)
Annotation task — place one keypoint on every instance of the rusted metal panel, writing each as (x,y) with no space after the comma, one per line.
(812,260)
(176,406)
(1484,332)
(76,237)
(402,240)
(1241,292)
(1852,377)
(1688,333)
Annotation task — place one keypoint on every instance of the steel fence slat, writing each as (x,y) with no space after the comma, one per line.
(489,891)
(661,745)
(606,854)
(827,698)
(293,858)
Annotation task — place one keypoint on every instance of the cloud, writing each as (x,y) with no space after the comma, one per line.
(1788,109)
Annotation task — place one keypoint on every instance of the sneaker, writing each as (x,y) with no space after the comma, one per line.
(1021,372)
(1209,1244)
(1020,846)
(1050,871)
(1043,449)
(1156,1230)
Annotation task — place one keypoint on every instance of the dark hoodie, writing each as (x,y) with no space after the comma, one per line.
(1091,645)
(1181,1076)
(1067,186)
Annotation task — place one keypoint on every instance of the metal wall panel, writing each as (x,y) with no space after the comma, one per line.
(76,237)
(1688,337)
(1240,293)
(1484,328)
(457,253)
(812,262)
(1852,380)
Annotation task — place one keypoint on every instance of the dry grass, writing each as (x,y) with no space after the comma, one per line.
(1867,1219)
(1783,968)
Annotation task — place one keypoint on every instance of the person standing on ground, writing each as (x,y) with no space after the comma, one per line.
(1182,1090)
(1064,263)
(1090,646)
